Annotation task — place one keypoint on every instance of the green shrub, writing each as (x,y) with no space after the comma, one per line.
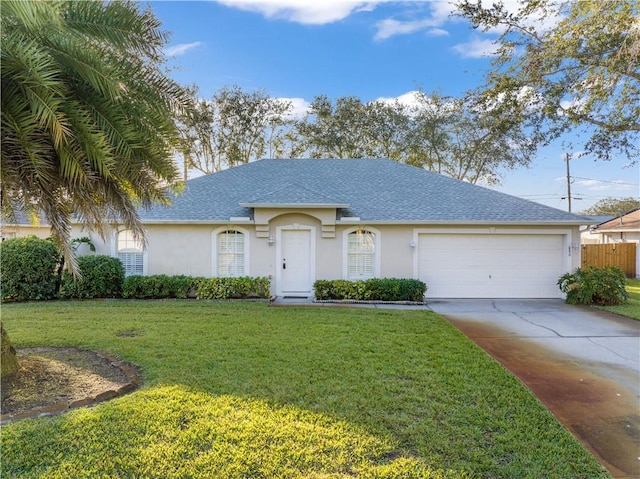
(601,286)
(232,288)
(159,287)
(162,286)
(324,289)
(102,277)
(375,289)
(28,269)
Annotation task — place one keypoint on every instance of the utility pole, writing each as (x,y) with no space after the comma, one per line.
(567,157)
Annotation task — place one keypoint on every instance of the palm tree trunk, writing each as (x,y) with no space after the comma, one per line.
(9,359)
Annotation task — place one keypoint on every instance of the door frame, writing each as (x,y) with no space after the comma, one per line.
(312,255)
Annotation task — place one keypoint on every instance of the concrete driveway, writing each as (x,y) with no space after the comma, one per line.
(583,364)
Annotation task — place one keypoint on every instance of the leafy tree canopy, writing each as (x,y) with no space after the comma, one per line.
(568,65)
(234,127)
(613,206)
(87,113)
(461,138)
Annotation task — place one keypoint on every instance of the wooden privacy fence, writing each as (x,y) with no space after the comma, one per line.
(622,255)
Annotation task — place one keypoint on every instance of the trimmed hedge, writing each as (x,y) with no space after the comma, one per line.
(164,287)
(233,288)
(29,273)
(160,286)
(28,269)
(602,286)
(375,289)
(102,277)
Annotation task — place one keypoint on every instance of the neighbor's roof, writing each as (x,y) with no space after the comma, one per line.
(627,222)
(598,218)
(375,190)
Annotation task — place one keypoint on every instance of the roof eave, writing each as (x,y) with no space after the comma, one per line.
(295,205)
(363,221)
(616,230)
(464,222)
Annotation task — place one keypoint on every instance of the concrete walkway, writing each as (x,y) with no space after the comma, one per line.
(583,364)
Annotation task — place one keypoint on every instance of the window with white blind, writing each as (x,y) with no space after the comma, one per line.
(231,253)
(362,252)
(130,253)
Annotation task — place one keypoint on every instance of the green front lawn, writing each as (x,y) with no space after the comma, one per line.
(632,308)
(244,390)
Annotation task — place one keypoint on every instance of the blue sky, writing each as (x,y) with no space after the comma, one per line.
(298,49)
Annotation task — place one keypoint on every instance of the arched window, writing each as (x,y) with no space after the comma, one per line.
(230,253)
(130,253)
(361,250)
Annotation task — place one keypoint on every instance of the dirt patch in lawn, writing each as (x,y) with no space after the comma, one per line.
(53,380)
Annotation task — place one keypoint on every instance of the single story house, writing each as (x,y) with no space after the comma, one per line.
(621,229)
(586,234)
(601,249)
(298,220)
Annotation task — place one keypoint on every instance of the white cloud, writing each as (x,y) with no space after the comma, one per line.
(299,107)
(599,186)
(410,99)
(533,19)
(588,183)
(437,32)
(441,11)
(180,49)
(390,27)
(315,12)
(415,101)
(439,14)
(476,48)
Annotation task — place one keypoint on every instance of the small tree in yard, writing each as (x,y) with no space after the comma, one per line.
(9,359)
(88,115)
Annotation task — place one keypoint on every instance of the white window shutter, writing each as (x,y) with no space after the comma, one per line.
(132,262)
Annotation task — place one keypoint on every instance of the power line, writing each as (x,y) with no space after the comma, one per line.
(547,195)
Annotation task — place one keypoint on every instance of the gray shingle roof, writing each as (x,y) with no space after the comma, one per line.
(376,190)
(295,194)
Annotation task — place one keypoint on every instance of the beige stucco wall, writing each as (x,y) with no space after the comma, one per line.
(625,237)
(179,250)
(188,249)
(9,231)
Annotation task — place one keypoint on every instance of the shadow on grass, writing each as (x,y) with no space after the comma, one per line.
(170,431)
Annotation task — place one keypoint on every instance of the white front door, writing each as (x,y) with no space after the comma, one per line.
(295,262)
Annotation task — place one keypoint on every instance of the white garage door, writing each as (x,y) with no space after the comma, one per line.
(490,266)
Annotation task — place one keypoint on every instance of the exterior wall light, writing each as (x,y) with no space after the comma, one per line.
(271,240)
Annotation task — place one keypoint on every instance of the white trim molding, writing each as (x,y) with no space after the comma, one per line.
(214,248)
(345,250)
(115,251)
